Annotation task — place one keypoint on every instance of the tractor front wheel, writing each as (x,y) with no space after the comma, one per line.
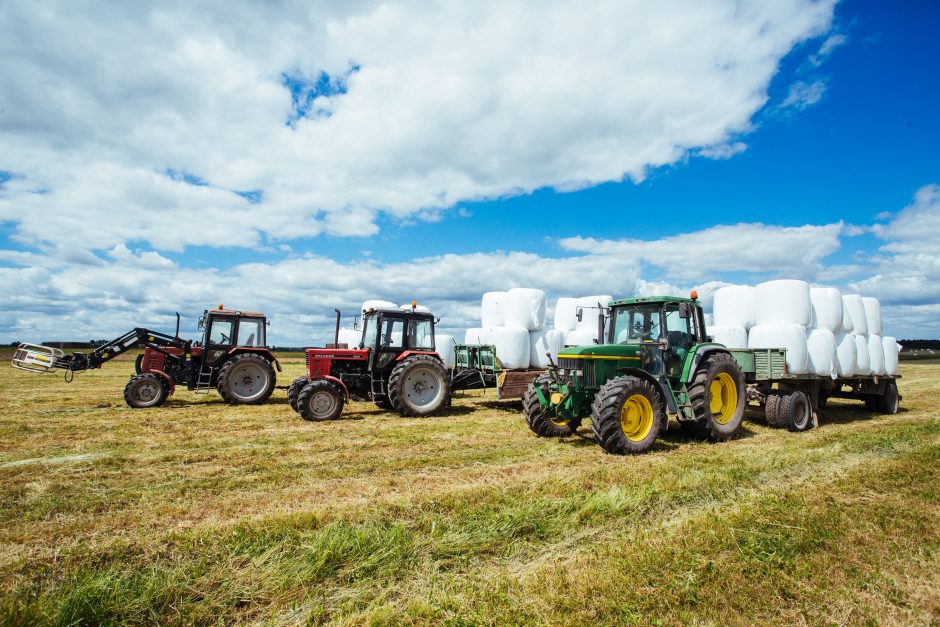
(246,379)
(320,400)
(139,364)
(419,386)
(146,390)
(718,397)
(294,391)
(627,415)
(542,424)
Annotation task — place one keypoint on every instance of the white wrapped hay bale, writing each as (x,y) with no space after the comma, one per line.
(876,354)
(590,310)
(421,308)
(862,362)
(581,337)
(512,346)
(542,342)
(846,355)
(491,309)
(847,325)
(730,336)
(891,350)
(524,307)
(785,301)
(377,304)
(566,318)
(474,336)
(827,308)
(735,306)
(350,337)
(445,344)
(872,314)
(856,309)
(709,319)
(789,336)
(821,347)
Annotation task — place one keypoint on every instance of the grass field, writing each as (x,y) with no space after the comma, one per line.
(198,512)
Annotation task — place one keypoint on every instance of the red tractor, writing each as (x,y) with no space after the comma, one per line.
(232,357)
(395,366)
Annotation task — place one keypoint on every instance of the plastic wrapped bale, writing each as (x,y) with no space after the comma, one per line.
(524,307)
(846,355)
(821,347)
(350,337)
(377,304)
(785,301)
(512,346)
(730,336)
(421,308)
(580,337)
(473,336)
(589,310)
(827,308)
(491,309)
(856,308)
(709,319)
(876,354)
(566,318)
(735,306)
(862,362)
(789,336)
(542,342)
(444,344)
(847,325)
(872,314)
(891,350)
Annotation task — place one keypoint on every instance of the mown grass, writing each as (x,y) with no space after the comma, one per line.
(198,512)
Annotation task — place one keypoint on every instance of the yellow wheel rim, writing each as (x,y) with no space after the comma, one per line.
(636,417)
(723,401)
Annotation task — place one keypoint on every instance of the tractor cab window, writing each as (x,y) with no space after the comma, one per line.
(679,330)
(368,332)
(251,332)
(635,324)
(392,333)
(420,334)
(222,331)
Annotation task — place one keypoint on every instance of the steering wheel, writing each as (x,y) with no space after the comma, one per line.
(639,332)
(225,339)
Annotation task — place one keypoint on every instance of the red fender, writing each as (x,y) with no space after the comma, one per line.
(339,382)
(167,378)
(410,353)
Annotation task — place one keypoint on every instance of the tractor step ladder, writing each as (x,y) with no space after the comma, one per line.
(203,381)
(378,390)
(36,357)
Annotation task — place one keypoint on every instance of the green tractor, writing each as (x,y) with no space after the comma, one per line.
(656,362)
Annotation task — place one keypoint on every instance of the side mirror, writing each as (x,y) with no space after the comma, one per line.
(579,313)
(685,310)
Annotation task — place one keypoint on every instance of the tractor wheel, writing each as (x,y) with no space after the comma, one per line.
(146,390)
(294,390)
(320,400)
(888,402)
(139,364)
(246,379)
(541,424)
(627,415)
(718,398)
(419,386)
(795,412)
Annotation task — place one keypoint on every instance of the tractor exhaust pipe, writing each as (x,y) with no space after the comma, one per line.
(336,334)
(177,324)
(600,323)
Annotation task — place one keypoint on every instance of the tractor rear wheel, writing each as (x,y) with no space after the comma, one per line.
(320,400)
(540,423)
(888,402)
(146,390)
(294,390)
(419,386)
(246,379)
(718,398)
(627,415)
(795,412)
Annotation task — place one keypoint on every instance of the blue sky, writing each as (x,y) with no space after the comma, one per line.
(320,160)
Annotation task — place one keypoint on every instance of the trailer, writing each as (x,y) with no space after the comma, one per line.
(478,368)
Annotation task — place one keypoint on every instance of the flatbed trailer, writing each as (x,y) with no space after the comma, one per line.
(477,368)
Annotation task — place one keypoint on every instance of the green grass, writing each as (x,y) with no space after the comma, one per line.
(199,512)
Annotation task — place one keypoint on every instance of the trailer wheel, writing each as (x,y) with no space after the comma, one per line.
(871,402)
(419,386)
(541,424)
(320,400)
(888,402)
(294,390)
(627,415)
(772,409)
(718,398)
(146,390)
(795,412)
(246,379)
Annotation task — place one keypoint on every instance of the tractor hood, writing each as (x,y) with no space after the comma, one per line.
(602,351)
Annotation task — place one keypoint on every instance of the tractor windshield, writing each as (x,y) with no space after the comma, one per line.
(635,324)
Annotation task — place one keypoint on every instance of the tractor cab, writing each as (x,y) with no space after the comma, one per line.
(224,329)
(388,333)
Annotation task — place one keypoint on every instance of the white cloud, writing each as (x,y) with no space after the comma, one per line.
(722,151)
(450,102)
(803,95)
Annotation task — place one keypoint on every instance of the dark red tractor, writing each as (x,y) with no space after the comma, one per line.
(395,365)
(232,357)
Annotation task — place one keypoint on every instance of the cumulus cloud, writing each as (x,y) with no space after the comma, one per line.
(254,122)
(803,95)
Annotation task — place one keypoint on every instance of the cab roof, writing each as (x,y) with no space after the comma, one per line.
(654,299)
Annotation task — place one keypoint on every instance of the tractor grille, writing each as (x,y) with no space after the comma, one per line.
(569,363)
(590,377)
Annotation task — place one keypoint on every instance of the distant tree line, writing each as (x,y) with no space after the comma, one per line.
(911,345)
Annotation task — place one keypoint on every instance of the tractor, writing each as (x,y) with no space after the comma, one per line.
(395,366)
(232,357)
(656,362)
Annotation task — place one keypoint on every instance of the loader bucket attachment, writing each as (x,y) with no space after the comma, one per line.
(36,357)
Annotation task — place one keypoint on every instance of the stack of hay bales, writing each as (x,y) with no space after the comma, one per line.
(579,332)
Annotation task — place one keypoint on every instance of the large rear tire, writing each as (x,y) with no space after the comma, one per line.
(888,402)
(627,415)
(146,390)
(294,390)
(320,400)
(419,386)
(718,397)
(246,379)
(540,423)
